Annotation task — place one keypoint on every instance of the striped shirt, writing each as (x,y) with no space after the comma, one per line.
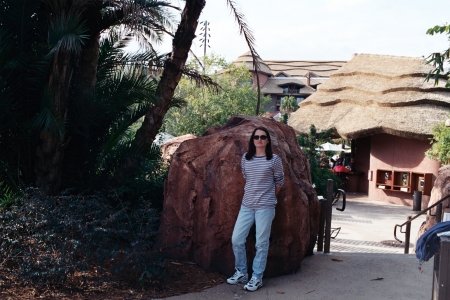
(261,177)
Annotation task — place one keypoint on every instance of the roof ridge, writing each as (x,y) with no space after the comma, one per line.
(390,56)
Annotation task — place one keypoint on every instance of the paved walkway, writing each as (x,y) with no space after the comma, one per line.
(359,266)
(364,224)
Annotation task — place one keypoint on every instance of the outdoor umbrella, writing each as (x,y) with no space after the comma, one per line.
(340,169)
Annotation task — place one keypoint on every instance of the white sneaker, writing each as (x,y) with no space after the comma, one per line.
(253,284)
(238,277)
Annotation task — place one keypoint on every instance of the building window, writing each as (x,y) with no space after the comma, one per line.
(291,89)
(299,99)
(279,101)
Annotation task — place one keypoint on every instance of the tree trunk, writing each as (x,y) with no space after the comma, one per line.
(76,147)
(49,151)
(171,74)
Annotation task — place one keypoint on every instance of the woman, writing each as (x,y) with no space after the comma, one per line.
(263,172)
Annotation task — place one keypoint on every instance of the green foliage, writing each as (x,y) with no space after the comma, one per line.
(289,104)
(94,129)
(146,181)
(440,149)
(46,240)
(439,59)
(88,116)
(318,162)
(206,108)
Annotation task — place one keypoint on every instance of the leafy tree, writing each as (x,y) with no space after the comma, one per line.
(318,163)
(51,74)
(206,107)
(289,104)
(438,59)
(440,149)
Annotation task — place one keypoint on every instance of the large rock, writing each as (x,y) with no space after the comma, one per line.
(203,194)
(169,147)
(441,188)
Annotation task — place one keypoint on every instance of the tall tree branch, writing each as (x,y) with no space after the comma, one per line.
(250,39)
(172,72)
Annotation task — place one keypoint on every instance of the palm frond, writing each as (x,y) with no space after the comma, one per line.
(245,30)
(111,56)
(120,130)
(48,118)
(67,32)
(127,87)
(178,102)
(200,79)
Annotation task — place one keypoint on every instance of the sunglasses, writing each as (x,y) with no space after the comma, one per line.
(257,137)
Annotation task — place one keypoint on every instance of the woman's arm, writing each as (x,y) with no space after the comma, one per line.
(278,174)
(243,166)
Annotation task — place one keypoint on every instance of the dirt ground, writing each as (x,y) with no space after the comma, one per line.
(183,277)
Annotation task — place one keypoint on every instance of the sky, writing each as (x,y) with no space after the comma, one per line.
(326,29)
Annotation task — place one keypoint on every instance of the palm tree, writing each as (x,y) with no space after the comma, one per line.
(173,68)
(48,78)
(50,81)
(289,104)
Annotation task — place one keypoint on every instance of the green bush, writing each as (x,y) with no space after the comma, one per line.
(440,149)
(318,163)
(45,240)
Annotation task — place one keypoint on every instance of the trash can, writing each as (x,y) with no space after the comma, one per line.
(417,202)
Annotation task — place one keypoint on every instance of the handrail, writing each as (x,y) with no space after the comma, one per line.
(344,197)
(417,215)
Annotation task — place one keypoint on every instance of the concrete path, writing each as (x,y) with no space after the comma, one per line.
(359,266)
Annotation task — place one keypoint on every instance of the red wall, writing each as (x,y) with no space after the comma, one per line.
(262,79)
(394,153)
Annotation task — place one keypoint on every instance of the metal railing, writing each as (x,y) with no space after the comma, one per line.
(407,231)
(325,230)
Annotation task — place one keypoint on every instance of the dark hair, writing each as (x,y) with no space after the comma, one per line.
(252,149)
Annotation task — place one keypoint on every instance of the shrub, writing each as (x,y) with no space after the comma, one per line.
(46,240)
(440,149)
(318,163)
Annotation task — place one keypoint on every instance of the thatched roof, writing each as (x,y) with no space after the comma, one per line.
(296,68)
(374,94)
(246,59)
(292,68)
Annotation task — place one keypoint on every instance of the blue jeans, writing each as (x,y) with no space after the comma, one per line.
(263,219)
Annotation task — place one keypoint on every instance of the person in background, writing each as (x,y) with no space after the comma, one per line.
(343,159)
(263,172)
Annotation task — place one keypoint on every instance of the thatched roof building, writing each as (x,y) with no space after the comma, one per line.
(296,78)
(247,60)
(299,68)
(374,94)
(292,68)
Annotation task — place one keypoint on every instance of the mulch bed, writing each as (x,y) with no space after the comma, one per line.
(180,278)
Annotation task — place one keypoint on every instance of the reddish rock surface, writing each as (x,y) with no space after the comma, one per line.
(203,194)
(441,188)
(169,147)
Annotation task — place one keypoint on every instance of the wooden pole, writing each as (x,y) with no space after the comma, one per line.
(328,216)
(407,234)
(323,212)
